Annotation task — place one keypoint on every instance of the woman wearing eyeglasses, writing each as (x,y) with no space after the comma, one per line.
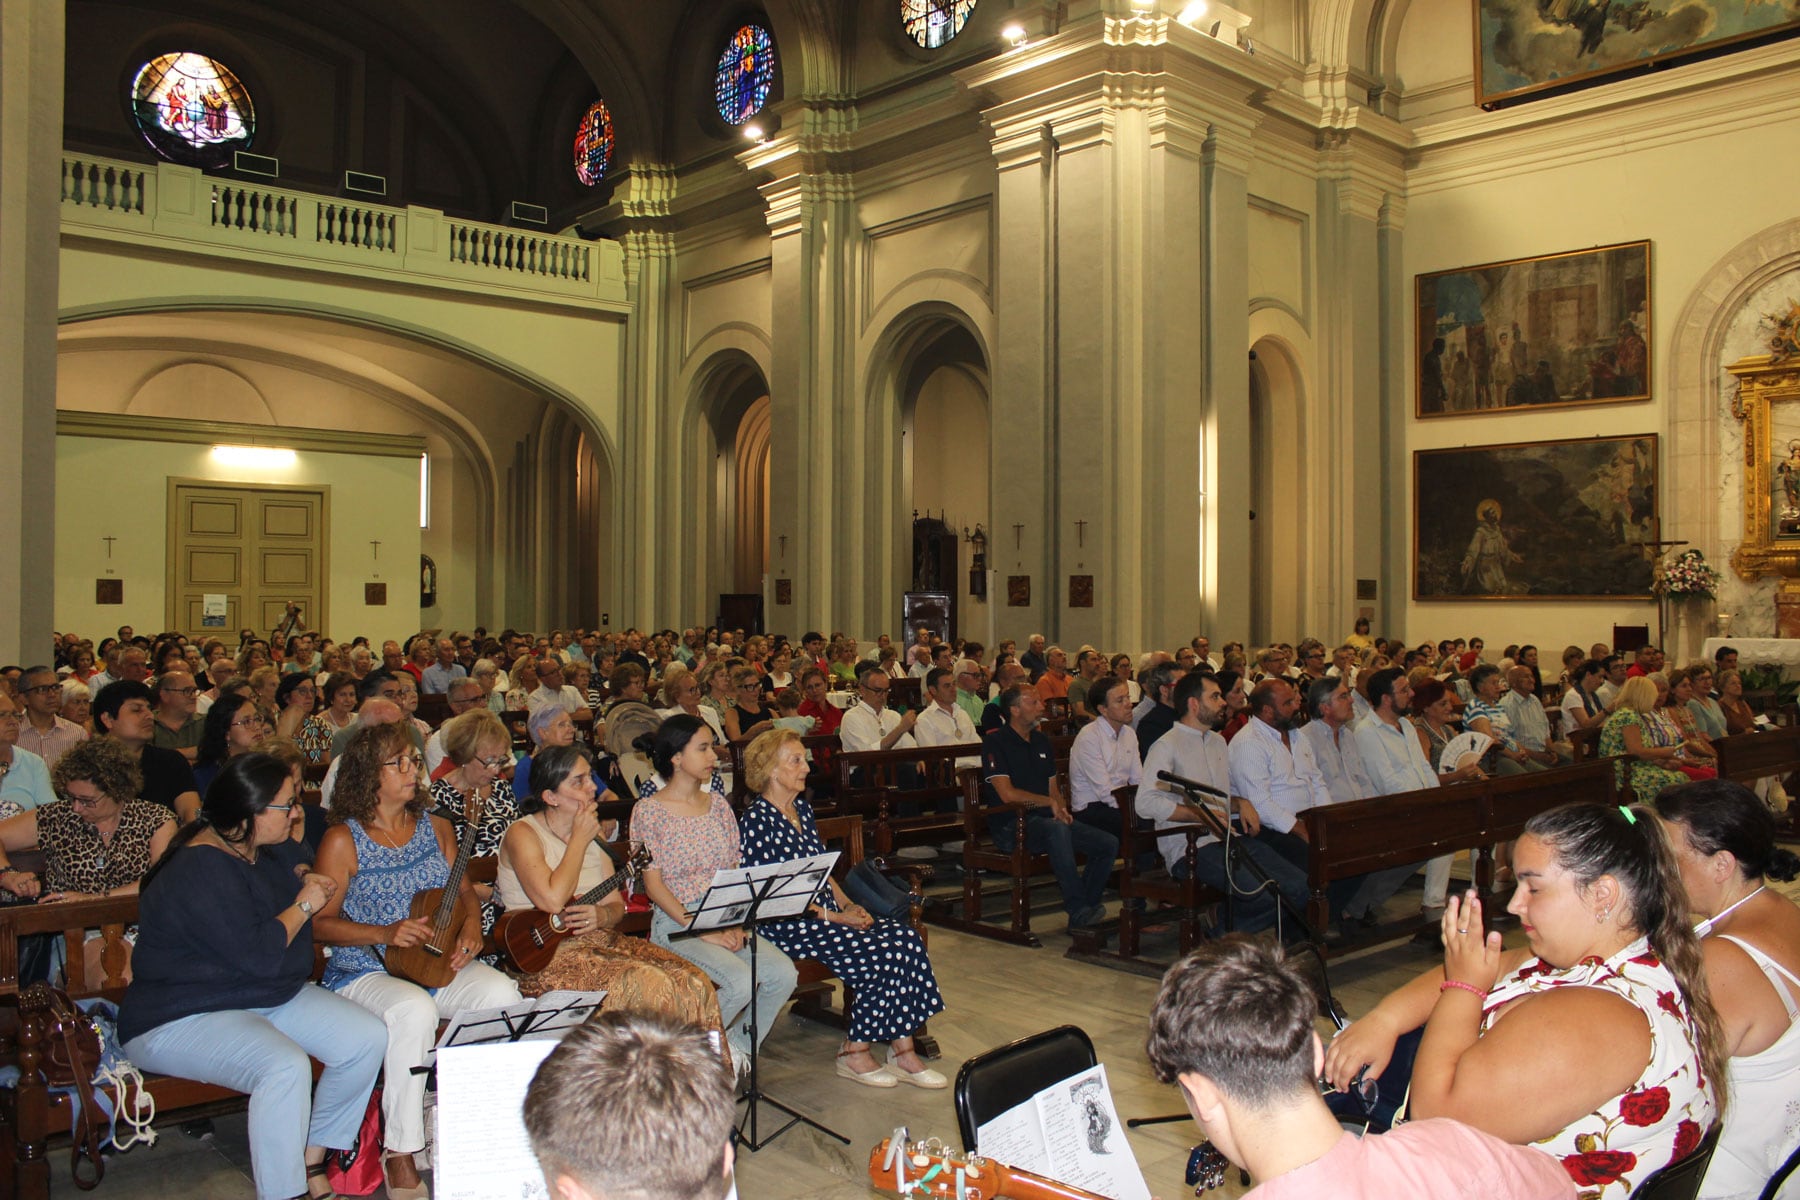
(219,990)
(99,839)
(383,847)
(24,779)
(233,726)
(480,750)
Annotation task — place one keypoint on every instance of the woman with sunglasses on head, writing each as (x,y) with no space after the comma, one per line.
(479,751)
(383,847)
(233,725)
(541,869)
(1599,1042)
(1724,839)
(220,989)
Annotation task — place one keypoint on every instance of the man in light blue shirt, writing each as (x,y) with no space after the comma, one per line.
(1396,762)
(1274,770)
(1530,723)
(437,678)
(1334,750)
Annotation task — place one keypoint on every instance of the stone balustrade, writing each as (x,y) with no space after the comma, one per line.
(176,207)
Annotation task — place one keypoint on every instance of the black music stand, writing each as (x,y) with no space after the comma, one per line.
(1234,858)
(743,897)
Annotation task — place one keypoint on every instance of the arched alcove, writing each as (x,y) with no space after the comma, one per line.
(1278,474)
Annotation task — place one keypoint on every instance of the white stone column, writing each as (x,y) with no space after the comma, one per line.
(31,89)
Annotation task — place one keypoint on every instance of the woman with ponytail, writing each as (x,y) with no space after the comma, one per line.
(1724,840)
(219,989)
(1598,1043)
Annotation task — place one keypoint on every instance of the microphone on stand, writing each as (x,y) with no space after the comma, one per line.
(1191,784)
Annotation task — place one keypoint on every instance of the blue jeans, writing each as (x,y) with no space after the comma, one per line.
(263,1051)
(1249,913)
(776,979)
(1044,834)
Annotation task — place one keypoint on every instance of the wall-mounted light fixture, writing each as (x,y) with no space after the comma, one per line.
(260,458)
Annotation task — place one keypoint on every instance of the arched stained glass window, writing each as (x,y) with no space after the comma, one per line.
(593,143)
(192,109)
(746,73)
(932,23)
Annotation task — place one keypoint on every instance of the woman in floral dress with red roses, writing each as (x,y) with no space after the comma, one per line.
(1598,1044)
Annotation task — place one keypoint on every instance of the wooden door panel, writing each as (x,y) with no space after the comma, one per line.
(260,548)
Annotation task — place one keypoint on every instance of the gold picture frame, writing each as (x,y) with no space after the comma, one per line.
(1768,403)
(1561,330)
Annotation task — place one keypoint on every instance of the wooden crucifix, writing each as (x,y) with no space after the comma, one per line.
(375,550)
(1018,533)
(109,541)
(1081,533)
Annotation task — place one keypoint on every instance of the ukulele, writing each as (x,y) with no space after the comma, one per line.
(428,964)
(930,1168)
(530,936)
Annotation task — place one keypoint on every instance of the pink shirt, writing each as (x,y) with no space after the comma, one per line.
(1423,1160)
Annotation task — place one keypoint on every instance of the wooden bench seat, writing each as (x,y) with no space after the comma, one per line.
(867,783)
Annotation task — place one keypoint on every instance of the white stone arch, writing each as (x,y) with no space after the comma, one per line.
(907,341)
(1692,466)
(406,396)
(729,374)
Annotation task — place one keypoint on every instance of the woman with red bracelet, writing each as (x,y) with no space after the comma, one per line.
(1598,1043)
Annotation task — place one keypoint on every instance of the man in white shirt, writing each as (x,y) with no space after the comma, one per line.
(943,721)
(1617,671)
(552,690)
(1396,761)
(1193,750)
(1202,654)
(1530,723)
(921,661)
(1333,749)
(1104,756)
(870,724)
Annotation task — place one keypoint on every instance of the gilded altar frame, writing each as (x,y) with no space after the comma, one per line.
(1768,404)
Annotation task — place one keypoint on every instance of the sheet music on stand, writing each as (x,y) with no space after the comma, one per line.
(546,1018)
(785,888)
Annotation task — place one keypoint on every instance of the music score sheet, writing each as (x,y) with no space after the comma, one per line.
(1070,1132)
(483,1151)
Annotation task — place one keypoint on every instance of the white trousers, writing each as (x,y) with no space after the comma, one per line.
(412,1014)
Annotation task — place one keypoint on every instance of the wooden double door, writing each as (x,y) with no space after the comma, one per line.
(258,546)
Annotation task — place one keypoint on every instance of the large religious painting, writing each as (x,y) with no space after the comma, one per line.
(1564,520)
(1768,403)
(192,109)
(1529,47)
(1551,332)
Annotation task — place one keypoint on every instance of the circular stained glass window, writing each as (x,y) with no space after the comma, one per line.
(746,73)
(192,109)
(932,23)
(593,143)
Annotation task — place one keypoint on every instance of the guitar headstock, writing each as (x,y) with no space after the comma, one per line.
(929,1168)
(640,859)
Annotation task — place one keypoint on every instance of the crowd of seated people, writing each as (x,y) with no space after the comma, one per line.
(167,751)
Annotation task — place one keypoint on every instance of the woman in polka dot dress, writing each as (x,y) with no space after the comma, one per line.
(883,963)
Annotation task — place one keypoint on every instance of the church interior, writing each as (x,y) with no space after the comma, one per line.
(1185,317)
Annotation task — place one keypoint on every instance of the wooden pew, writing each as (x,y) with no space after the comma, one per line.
(1386,831)
(818,774)
(1750,756)
(30,1115)
(980,853)
(867,784)
(1156,886)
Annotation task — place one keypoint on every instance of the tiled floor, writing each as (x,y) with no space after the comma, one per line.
(994,992)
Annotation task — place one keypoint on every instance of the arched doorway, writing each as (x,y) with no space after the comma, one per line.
(946,451)
(738,425)
(1278,491)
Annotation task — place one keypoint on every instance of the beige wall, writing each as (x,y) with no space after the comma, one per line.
(949,453)
(119,488)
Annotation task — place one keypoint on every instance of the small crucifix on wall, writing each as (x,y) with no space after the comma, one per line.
(109,541)
(1081,533)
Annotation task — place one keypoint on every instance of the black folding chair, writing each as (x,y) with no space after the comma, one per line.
(1681,1181)
(1007,1076)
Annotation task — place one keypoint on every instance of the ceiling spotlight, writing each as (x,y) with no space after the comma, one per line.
(754,132)
(1192,12)
(1014,34)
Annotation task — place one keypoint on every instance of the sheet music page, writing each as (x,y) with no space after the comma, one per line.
(1084,1138)
(483,1152)
(1016,1138)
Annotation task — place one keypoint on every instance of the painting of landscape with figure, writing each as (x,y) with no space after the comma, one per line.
(1525,47)
(1565,520)
(1549,332)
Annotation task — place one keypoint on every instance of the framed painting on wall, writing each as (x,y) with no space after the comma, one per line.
(1562,520)
(1526,48)
(1555,331)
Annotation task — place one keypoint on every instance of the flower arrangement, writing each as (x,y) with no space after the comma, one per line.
(1686,576)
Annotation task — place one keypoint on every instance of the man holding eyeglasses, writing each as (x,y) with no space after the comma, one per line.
(122,711)
(177,727)
(42,730)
